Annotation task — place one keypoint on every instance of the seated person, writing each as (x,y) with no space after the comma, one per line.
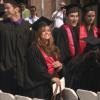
(44,66)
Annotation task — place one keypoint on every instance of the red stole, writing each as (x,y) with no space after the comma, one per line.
(70,40)
(83,34)
(49,61)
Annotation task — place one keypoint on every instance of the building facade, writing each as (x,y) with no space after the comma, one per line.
(47,7)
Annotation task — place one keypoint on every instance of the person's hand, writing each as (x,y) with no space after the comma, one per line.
(59,9)
(56,80)
(57,64)
(64,11)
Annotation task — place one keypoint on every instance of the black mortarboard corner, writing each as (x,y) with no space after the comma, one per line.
(89,7)
(92,41)
(72,8)
(2,11)
(41,22)
(13,2)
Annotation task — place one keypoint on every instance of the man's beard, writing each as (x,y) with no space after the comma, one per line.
(7,15)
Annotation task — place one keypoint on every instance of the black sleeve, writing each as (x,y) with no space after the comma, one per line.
(61,42)
(37,69)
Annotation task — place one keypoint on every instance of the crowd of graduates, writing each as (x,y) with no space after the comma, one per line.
(35,53)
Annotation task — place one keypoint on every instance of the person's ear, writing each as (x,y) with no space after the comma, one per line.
(17,10)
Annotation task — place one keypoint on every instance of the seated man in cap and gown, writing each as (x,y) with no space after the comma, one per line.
(44,66)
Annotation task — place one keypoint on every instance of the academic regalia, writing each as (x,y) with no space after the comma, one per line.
(42,20)
(35,26)
(85,62)
(84,32)
(61,40)
(87,68)
(93,31)
(15,38)
(71,8)
(13,2)
(89,7)
(38,81)
(91,68)
(74,63)
(93,63)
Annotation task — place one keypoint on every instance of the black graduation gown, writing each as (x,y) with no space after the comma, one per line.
(86,70)
(38,80)
(14,40)
(82,70)
(93,83)
(61,40)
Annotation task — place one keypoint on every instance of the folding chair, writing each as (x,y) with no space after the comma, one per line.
(37,99)
(69,94)
(18,97)
(86,95)
(6,96)
(0,91)
(98,95)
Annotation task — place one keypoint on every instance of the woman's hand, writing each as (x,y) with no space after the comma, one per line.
(56,80)
(57,64)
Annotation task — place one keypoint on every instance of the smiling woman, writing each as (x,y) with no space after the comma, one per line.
(44,66)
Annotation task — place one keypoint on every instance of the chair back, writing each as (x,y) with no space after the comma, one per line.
(86,95)
(6,96)
(69,94)
(18,97)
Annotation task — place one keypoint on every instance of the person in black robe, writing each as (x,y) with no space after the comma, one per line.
(15,38)
(87,68)
(89,19)
(62,40)
(44,66)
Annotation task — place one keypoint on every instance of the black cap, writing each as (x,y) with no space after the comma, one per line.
(91,40)
(72,8)
(42,21)
(13,2)
(2,10)
(89,7)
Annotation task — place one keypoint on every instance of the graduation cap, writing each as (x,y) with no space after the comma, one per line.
(2,10)
(13,2)
(72,8)
(92,41)
(42,21)
(89,7)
